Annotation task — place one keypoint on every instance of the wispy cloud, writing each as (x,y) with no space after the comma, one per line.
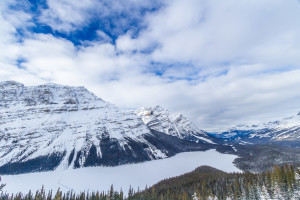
(112,17)
(219,62)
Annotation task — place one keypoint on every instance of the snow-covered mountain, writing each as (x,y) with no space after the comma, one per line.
(52,126)
(159,119)
(286,130)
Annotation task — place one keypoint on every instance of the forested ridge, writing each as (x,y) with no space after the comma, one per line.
(209,183)
(283,182)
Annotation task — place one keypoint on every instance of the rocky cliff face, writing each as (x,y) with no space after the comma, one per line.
(52,126)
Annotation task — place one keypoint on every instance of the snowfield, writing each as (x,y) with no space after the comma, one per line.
(136,175)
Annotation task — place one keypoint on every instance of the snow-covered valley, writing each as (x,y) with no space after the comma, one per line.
(101,178)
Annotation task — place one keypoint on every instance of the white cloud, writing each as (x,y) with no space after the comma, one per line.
(70,15)
(231,62)
(212,32)
(65,15)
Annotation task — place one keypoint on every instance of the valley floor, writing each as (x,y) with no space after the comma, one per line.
(124,176)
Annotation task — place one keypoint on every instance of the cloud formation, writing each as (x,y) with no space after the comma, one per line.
(219,62)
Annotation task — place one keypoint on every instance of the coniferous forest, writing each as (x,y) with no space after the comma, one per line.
(204,183)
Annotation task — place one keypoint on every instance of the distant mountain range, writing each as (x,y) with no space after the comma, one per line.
(284,132)
(52,126)
(264,145)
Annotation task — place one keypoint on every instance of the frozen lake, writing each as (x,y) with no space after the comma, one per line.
(136,175)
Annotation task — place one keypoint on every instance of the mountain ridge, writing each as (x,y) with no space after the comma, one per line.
(284,132)
(160,119)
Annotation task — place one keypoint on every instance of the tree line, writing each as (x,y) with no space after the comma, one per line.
(204,183)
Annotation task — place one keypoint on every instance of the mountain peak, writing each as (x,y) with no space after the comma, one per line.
(159,108)
(160,119)
(14,93)
(10,85)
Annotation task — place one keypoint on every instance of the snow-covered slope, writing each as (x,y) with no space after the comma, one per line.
(284,130)
(69,126)
(177,125)
(52,126)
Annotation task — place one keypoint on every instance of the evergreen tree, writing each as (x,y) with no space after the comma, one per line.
(130,193)
(1,185)
(111,192)
(58,195)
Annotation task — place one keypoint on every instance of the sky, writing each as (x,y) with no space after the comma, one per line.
(220,63)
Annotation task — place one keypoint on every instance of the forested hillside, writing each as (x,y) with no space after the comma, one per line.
(283,182)
(209,183)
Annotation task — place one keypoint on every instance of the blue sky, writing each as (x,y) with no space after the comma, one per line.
(218,62)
